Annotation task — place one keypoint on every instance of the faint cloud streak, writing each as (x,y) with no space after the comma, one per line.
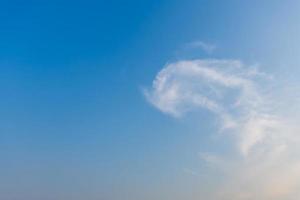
(208,48)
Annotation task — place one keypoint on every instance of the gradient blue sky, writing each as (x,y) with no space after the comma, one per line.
(75,123)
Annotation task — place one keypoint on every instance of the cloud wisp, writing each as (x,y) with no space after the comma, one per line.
(266,165)
(208,48)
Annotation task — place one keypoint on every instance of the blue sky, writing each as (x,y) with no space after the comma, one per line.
(82,118)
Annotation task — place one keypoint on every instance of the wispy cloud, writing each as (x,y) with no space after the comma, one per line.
(208,48)
(266,139)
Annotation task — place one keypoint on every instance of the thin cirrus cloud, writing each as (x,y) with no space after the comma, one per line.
(266,140)
(207,47)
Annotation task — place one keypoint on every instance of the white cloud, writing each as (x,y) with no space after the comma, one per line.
(208,48)
(266,138)
(187,85)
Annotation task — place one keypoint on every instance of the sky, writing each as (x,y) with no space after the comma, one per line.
(153,99)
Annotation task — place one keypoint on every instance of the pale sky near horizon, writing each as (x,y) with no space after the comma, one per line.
(150,100)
